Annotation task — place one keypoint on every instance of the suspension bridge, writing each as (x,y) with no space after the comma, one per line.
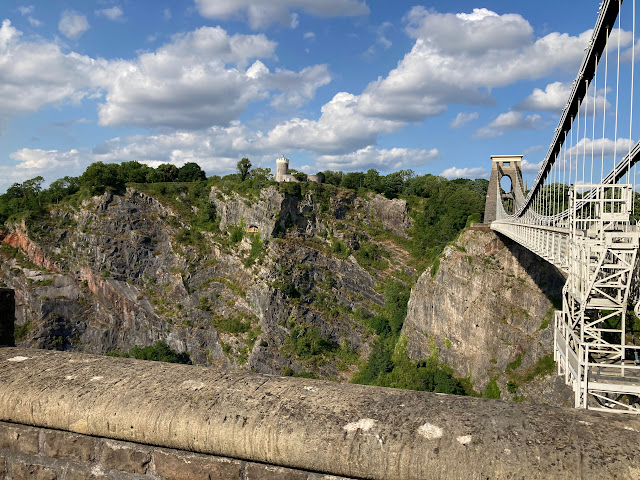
(580,215)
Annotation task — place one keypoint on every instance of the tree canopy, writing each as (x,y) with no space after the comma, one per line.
(244,166)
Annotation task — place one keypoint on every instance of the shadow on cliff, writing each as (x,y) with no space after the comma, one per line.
(548,278)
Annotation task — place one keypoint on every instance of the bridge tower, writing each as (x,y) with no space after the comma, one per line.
(504,166)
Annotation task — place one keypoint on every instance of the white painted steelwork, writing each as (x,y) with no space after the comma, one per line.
(587,230)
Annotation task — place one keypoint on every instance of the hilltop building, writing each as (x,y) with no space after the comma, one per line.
(283,175)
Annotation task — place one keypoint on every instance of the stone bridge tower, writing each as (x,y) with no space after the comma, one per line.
(504,166)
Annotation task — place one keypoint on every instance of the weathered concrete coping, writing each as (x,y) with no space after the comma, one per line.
(348,430)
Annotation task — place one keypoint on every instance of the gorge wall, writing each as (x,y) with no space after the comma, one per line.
(487,312)
(116,271)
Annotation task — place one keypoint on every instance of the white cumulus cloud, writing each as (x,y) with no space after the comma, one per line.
(340,129)
(455,59)
(26,9)
(455,172)
(463,118)
(601,147)
(73,24)
(199,79)
(38,73)
(113,13)
(553,98)
(529,167)
(511,120)
(380,159)
(262,13)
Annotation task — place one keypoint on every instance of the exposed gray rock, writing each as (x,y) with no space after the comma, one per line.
(112,274)
(392,213)
(488,310)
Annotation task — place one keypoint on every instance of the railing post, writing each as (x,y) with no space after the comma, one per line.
(7,317)
(586,377)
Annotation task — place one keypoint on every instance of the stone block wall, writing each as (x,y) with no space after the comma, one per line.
(44,454)
(69,416)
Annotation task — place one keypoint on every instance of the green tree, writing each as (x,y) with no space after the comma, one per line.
(32,187)
(244,167)
(372,181)
(206,212)
(134,172)
(332,178)
(262,174)
(191,172)
(352,180)
(164,173)
(22,197)
(393,184)
(61,188)
(300,176)
(100,176)
(158,352)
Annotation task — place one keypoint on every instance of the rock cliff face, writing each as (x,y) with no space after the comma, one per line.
(124,270)
(487,312)
(118,271)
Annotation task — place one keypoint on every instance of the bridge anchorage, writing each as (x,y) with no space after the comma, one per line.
(581,216)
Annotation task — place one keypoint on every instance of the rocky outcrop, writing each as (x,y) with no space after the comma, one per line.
(128,270)
(19,238)
(262,213)
(393,214)
(487,312)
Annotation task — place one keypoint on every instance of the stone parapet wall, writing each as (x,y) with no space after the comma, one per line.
(45,454)
(112,416)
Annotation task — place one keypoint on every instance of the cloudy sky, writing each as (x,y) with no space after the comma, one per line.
(334,84)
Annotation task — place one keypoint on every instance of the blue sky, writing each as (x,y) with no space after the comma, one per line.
(437,87)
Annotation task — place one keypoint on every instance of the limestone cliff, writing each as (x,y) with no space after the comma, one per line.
(487,312)
(122,270)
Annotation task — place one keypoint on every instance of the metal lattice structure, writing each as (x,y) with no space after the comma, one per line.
(583,221)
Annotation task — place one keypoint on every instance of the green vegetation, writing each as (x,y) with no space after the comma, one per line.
(236,233)
(389,364)
(371,255)
(256,251)
(29,200)
(492,390)
(511,366)
(158,352)
(512,387)
(543,367)
(20,332)
(228,324)
(446,210)
(340,249)
(307,342)
(244,166)
(548,317)
(435,267)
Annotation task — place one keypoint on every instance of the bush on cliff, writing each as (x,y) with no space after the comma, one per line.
(389,364)
(158,352)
